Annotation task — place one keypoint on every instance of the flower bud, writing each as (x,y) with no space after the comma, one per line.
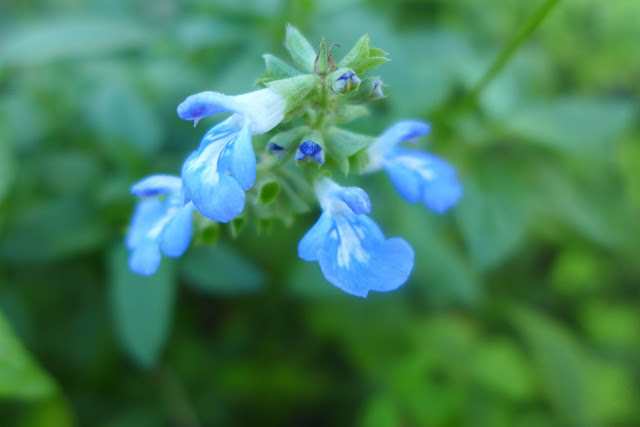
(343,80)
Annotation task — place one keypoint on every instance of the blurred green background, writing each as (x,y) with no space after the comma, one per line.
(523,307)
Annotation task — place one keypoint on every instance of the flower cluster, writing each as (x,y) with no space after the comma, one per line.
(224,181)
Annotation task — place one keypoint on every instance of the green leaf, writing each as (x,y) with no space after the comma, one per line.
(142,307)
(597,213)
(53,230)
(7,169)
(124,119)
(560,363)
(301,51)
(342,144)
(441,273)
(20,375)
(221,271)
(492,214)
(54,39)
(578,126)
(501,366)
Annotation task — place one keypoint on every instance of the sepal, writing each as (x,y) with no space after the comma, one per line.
(362,58)
(277,69)
(342,144)
(370,90)
(302,53)
(348,113)
(294,90)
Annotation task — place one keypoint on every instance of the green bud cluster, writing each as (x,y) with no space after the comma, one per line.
(321,95)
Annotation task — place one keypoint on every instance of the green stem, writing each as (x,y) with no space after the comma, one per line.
(506,54)
(175,397)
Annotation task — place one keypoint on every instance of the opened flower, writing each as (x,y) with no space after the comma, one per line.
(158,224)
(350,248)
(223,167)
(416,175)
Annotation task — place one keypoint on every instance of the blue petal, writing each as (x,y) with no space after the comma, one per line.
(145,258)
(442,194)
(147,214)
(419,176)
(399,132)
(216,196)
(176,235)
(238,158)
(315,238)
(310,149)
(156,185)
(405,180)
(356,199)
(222,133)
(361,261)
(203,104)
(404,130)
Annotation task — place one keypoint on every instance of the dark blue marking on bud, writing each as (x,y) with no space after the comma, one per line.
(310,149)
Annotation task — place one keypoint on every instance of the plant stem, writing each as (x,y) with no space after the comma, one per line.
(536,19)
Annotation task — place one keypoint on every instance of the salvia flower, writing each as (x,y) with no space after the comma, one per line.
(350,248)
(309,102)
(416,175)
(158,224)
(223,167)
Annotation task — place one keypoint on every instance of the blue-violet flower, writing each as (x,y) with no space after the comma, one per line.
(157,224)
(216,175)
(416,175)
(350,248)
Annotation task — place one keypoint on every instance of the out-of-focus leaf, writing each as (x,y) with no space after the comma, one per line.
(381,412)
(51,231)
(142,307)
(20,376)
(440,272)
(612,325)
(560,364)
(221,270)
(577,271)
(62,38)
(203,32)
(305,280)
(123,118)
(600,216)
(501,366)
(611,392)
(492,214)
(573,125)
(54,411)
(6,167)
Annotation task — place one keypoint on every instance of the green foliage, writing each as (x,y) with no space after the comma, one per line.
(20,376)
(221,271)
(142,307)
(523,305)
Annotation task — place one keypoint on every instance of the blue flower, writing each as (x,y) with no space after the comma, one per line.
(416,175)
(310,149)
(217,174)
(350,248)
(158,225)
